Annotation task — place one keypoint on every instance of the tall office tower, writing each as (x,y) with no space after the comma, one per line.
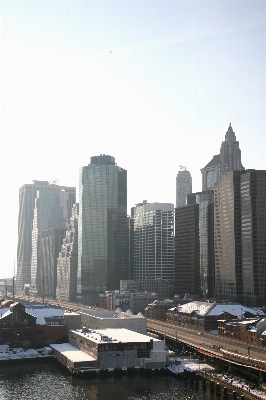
(253,232)
(67,262)
(153,241)
(51,242)
(205,201)
(211,173)
(103,227)
(230,153)
(131,245)
(183,186)
(187,250)
(27,195)
(52,210)
(227,237)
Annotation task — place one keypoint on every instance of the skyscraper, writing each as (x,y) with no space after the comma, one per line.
(67,262)
(205,200)
(187,250)
(103,227)
(227,237)
(153,241)
(52,211)
(253,235)
(183,186)
(27,195)
(230,153)
(211,173)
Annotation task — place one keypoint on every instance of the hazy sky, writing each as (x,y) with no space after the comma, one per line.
(152,83)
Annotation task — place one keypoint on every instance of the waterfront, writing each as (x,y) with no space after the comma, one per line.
(49,381)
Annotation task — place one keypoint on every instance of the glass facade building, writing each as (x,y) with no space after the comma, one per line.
(67,262)
(27,196)
(253,233)
(52,210)
(227,238)
(204,200)
(153,241)
(103,227)
(187,250)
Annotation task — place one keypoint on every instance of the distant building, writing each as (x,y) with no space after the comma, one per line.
(158,309)
(114,319)
(187,250)
(211,173)
(139,301)
(205,315)
(153,241)
(67,262)
(206,238)
(183,186)
(230,153)
(253,236)
(103,228)
(163,287)
(52,211)
(51,241)
(136,302)
(27,196)
(129,286)
(227,238)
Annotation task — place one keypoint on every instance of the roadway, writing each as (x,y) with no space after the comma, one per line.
(209,343)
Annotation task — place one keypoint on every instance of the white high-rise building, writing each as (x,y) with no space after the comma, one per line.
(153,241)
(183,186)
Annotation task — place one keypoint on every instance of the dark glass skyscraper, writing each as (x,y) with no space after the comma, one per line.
(103,228)
(187,250)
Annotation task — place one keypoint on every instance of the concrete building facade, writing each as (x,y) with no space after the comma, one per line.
(183,186)
(153,241)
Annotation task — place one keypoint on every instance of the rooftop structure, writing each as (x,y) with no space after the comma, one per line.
(120,348)
(114,319)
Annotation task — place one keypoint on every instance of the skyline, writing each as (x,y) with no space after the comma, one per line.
(153,84)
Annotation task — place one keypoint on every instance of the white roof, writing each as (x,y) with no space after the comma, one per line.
(43,311)
(116,335)
(72,353)
(206,309)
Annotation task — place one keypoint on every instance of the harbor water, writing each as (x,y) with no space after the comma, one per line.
(49,381)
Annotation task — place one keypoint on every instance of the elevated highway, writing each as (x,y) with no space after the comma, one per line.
(211,345)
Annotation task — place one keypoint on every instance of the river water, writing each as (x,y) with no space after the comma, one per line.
(50,382)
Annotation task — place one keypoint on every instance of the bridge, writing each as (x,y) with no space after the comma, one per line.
(211,345)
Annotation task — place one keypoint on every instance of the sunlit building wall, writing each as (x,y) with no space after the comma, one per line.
(27,195)
(67,262)
(153,241)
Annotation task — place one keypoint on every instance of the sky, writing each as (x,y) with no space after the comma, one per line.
(153,83)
